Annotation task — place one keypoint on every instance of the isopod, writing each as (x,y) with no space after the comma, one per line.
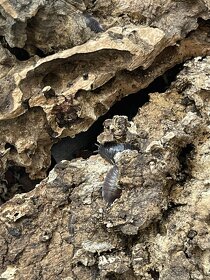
(92,23)
(109,150)
(110,188)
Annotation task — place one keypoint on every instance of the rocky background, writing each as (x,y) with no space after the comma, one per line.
(77,72)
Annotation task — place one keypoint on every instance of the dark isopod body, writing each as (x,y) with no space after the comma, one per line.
(109,150)
(110,189)
(92,23)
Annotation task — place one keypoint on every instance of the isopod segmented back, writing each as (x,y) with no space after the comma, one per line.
(109,150)
(110,189)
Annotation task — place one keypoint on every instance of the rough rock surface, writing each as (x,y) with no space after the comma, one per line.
(157,229)
(63,65)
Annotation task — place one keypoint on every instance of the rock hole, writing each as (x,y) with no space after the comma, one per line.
(129,242)
(19,53)
(25,104)
(10,146)
(16,180)
(154,274)
(40,53)
(171,208)
(184,157)
(161,228)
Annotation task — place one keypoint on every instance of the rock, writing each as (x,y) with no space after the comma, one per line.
(84,57)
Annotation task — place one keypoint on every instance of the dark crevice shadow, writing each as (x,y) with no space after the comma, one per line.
(154,274)
(40,53)
(184,157)
(171,208)
(20,53)
(15,181)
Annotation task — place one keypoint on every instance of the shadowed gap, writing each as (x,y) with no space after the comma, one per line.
(16,181)
(20,53)
(154,274)
(184,157)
